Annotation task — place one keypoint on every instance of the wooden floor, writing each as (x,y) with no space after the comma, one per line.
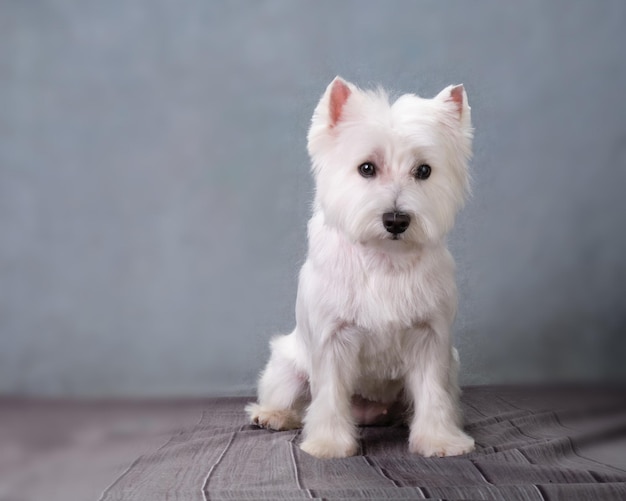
(532,443)
(71,450)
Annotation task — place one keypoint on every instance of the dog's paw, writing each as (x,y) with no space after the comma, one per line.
(441,444)
(327,449)
(274,419)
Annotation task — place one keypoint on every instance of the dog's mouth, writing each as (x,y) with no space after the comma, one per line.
(398,236)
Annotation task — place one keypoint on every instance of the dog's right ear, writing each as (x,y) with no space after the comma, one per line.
(329,112)
(330,107)
(339,94)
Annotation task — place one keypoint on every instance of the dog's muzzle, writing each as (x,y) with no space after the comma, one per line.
(396,222)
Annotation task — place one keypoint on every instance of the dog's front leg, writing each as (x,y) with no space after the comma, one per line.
(329,430)
(431,383)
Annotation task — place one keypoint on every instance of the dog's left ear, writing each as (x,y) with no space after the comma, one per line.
(455,98)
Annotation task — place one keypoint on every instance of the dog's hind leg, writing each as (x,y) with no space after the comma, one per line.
(283,389)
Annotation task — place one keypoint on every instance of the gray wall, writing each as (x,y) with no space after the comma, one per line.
(154,182)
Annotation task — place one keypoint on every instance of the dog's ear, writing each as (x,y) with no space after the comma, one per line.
(331,105)
(338,97)
(456,96)
(455,99)
(328,113)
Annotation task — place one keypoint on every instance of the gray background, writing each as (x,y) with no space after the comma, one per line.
(154,182)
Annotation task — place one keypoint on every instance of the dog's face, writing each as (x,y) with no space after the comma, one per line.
(391,175)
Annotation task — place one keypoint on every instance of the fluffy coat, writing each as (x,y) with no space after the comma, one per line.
(375,304)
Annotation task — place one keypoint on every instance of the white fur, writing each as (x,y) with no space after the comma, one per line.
(373,313)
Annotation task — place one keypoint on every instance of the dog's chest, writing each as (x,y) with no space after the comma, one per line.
(377,295)
(388,310)
(379,299)
(382,293)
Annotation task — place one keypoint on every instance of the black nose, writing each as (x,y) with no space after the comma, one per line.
(396,222)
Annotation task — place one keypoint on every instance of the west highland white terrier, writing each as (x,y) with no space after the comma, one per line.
(377,294)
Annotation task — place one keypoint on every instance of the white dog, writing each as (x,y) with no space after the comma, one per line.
(377,295)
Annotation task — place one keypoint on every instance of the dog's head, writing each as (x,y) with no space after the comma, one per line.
(391,174)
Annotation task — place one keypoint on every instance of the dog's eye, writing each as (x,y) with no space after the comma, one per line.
(368,169)
(422,171)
